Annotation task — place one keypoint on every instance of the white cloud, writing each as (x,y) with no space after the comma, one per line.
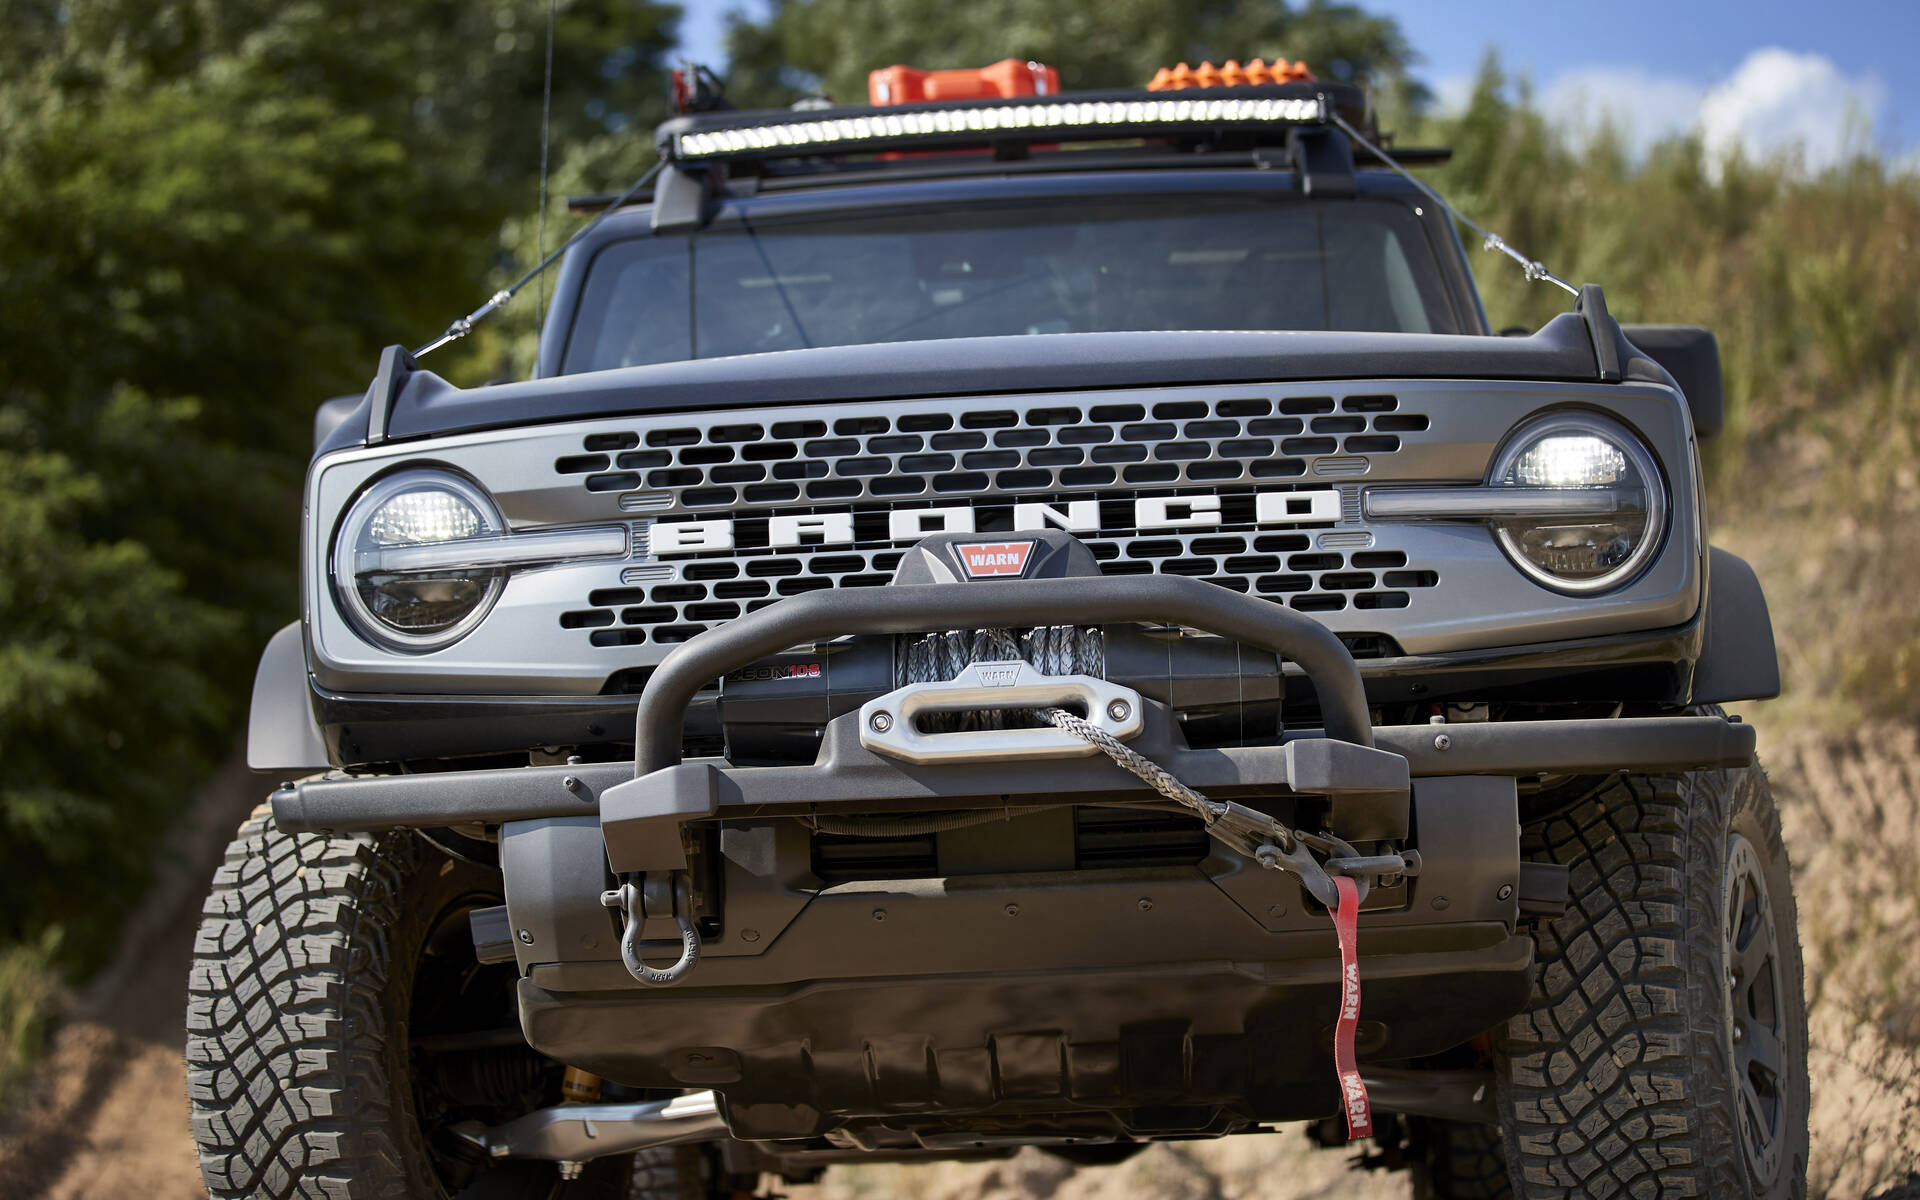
(1451,93)
(1641,107)
(1778,102)
(1775,103)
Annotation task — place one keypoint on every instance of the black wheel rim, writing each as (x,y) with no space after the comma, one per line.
(1755,1020)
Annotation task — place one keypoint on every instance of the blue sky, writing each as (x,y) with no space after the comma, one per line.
(1760,74)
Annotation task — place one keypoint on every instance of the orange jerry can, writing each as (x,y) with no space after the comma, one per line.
(1008,77)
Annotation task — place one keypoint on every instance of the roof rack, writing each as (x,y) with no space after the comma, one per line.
(948,167)
(1241,117)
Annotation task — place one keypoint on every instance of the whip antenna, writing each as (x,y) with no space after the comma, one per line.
(546,138)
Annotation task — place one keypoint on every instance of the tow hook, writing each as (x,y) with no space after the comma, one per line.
(658,895)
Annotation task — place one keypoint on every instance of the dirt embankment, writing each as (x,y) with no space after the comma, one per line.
(107,1114)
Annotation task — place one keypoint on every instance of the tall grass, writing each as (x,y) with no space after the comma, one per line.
(29,995)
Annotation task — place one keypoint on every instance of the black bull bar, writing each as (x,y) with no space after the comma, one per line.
(1307,760)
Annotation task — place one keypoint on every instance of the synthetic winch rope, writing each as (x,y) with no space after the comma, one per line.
(1151,773)
(1051,649)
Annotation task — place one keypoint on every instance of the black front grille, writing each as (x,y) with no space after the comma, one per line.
(1304,567)
(965,450)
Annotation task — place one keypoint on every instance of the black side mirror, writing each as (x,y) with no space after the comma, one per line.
(1692,356)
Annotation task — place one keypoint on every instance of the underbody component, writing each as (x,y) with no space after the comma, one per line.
(581,1132)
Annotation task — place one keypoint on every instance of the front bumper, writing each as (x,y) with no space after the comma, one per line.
(1010,975)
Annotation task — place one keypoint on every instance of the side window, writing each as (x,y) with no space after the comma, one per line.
(634,310)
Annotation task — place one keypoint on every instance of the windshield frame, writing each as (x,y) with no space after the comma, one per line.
(764,211)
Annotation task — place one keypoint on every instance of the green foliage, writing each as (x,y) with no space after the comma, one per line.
(212,215)
(29,989)
(830,45)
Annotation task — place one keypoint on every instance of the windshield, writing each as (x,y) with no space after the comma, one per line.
(1089,265)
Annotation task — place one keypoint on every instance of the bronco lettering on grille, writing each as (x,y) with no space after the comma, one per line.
(1078,516)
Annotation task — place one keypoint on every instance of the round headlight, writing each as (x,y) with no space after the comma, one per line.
(411,601)
(1582,552)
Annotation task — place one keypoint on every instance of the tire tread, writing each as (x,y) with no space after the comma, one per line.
(286,1019)
(1617,1076)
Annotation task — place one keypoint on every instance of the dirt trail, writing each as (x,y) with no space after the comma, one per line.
(108,1114)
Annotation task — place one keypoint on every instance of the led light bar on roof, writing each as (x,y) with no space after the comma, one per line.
(1063,120)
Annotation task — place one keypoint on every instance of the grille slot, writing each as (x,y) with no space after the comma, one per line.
(1113,837)
(841,859)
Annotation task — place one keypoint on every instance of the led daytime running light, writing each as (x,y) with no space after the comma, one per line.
(413,512)
(1581,454)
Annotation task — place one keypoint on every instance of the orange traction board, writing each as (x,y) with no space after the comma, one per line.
(1006,78)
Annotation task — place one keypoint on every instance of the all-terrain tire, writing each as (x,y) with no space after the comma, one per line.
(1624,1076)
(1461,1161)
(297,1020)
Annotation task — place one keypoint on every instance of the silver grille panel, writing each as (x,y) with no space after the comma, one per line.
(1430,587)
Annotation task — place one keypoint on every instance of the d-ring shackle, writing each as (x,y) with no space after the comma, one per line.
(631,901)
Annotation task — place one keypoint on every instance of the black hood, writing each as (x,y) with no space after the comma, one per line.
(412,403)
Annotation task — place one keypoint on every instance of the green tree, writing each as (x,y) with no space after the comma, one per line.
(830,45)
(212,214)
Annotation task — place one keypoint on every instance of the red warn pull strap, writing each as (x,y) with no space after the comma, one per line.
(1353,1090)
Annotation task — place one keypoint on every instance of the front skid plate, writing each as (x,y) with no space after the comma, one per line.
(1195,1047)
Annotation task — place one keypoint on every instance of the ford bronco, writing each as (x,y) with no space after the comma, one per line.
(1005,618)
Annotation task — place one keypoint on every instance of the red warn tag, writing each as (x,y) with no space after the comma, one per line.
(985,559)
(1353,1090)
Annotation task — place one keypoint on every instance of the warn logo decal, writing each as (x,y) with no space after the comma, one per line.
(984,560)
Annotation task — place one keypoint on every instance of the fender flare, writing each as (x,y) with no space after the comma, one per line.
(1738,661)
(282,734)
